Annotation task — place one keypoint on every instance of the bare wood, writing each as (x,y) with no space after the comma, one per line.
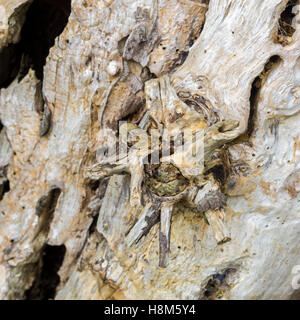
(216,222)
(164,234)
(137,176)
(149,217)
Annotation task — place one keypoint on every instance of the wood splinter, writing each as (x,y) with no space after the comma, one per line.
(216,221)
(164,234)
(147,220)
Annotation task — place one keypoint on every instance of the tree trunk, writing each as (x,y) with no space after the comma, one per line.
(71,70)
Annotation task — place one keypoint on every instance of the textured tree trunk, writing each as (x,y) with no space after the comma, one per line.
(71,70)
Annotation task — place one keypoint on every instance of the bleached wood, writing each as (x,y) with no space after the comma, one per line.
(262,212)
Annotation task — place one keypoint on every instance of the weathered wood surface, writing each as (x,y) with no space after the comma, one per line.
(87,74)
